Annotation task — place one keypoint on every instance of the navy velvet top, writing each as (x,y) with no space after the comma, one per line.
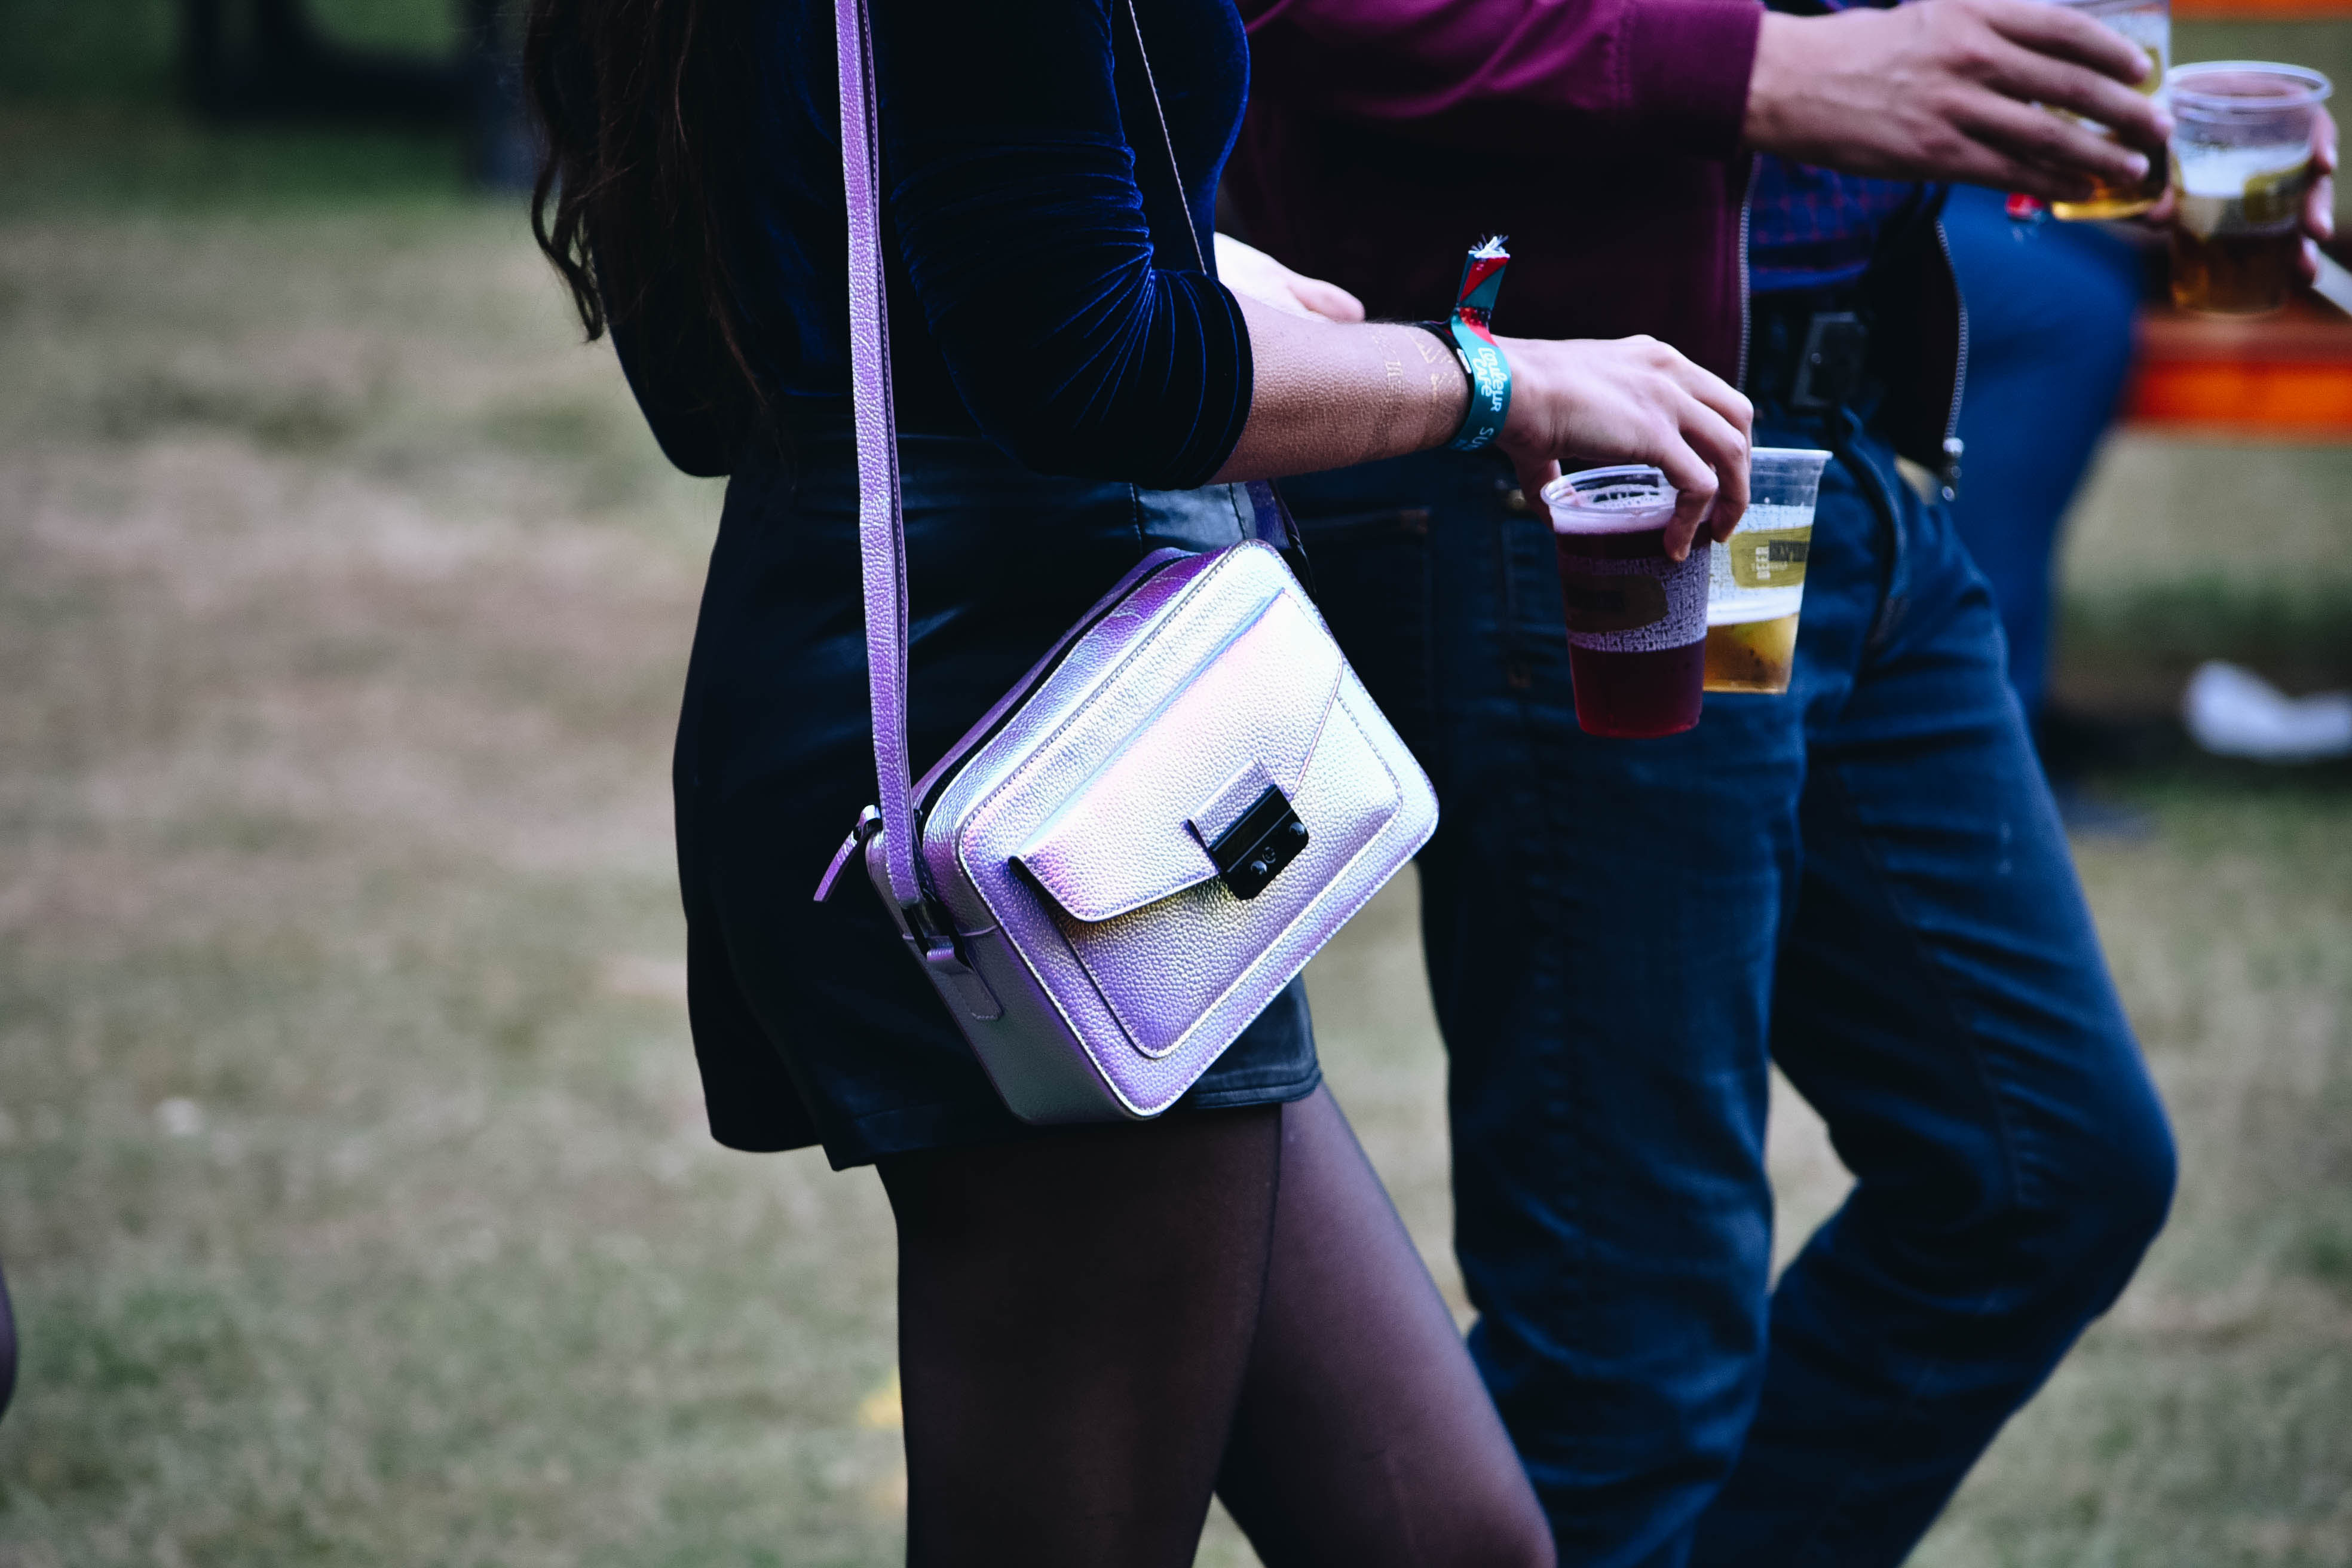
(1044,289)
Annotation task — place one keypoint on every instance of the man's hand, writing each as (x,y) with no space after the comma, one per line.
(1952,90)
(1246,269)
(1630,400)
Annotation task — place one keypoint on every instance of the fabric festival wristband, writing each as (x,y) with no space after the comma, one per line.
(1470,329)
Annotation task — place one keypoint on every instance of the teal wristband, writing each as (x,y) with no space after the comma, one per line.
(1473,340)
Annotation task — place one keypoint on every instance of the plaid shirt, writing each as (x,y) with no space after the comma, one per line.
(1808,227)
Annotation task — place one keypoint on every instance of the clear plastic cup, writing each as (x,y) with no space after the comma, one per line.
(2146,24)
(1636,620)
(2241,155)
(1756,581)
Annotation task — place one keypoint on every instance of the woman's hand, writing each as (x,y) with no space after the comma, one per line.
(1630,400)
(1246,269)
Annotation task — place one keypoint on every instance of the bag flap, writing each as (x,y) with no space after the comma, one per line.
(1138,831)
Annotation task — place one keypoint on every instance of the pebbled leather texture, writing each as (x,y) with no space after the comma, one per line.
(1098,965)
(1124,838)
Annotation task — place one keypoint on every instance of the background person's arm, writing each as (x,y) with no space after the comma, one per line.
(1951,89)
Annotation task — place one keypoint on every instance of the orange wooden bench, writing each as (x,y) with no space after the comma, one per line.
(2261,10)
(2285,377)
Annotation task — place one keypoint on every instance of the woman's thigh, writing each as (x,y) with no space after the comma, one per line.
(1091,1321)
(1076,1314)
(1364,1436)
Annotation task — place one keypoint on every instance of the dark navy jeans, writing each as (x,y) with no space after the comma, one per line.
(1865,881)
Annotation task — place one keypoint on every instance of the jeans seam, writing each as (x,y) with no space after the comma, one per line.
(1565,1105)
(1914,1392)
(1954,1013)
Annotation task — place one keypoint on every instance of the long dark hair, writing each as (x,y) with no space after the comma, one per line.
(637,99)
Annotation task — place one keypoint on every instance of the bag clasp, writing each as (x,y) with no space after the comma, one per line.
(1260,842)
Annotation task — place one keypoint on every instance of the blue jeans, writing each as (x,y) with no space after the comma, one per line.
(1865,881)
(2049,338)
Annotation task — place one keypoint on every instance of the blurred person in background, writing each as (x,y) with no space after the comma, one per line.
(2050,311)
(1097,1325)
(1912,946)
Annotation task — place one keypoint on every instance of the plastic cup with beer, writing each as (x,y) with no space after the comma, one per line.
(1756,579)
(2241,153)
(1636,620)
(2146,24)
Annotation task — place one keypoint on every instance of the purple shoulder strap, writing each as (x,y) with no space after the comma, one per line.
(881,535)
(881,530)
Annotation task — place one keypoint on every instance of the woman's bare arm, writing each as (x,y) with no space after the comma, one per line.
(1327,394)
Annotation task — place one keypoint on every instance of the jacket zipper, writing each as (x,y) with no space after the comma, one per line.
(1954,448)
(1747,194)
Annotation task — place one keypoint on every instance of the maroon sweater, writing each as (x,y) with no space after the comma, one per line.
(1385,137)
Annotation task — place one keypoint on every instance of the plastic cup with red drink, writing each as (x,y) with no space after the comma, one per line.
(1636,619)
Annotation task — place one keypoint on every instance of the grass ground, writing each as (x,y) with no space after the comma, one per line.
(352,1180)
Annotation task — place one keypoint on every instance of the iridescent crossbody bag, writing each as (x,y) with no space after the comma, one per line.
(1148,837)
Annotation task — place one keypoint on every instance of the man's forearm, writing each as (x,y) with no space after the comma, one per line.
(1953,90)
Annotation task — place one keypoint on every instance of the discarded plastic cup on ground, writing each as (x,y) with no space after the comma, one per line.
(2233,712)
(1636,620)
(1756,581)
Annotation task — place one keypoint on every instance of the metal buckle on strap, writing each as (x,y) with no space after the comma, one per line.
(927,935)
(870,823)
(1829,370)
(937,949)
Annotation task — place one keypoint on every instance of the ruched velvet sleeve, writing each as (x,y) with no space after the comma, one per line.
(1012,184)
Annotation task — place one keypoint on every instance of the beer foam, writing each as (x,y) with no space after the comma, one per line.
(2242,190)
(2227,171)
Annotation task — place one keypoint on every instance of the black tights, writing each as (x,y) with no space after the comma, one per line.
(1099,1327)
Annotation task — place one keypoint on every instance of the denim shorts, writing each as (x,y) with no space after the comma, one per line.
(811,1023)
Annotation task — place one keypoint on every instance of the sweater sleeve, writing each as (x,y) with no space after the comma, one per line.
(1013,191)
(1666,75)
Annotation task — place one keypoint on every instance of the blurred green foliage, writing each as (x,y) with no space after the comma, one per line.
(122,49)
(104,157)
(89,118)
